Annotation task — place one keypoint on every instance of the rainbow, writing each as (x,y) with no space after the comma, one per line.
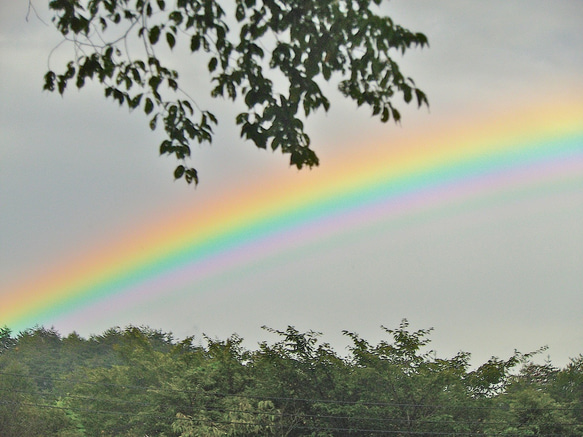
(530,152)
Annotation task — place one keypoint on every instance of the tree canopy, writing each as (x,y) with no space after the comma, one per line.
(274,55)
(140,381)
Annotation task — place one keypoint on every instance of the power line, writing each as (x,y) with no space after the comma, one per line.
(288,399)
(60,395)
(421,420)
(281,426)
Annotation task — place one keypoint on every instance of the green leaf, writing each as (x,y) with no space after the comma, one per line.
(179,172)
(240,12)
(49,81)
(176,16)
(154,82)
(385,116)
(153,122)
(191,176)
(119,96)
(195,43)
(213,64)
(188,105)
(396,114)
(407,94)
(135,102)
(61,84)
(421,97)
(148,106)
(154,35)
(326,72)
(170,39)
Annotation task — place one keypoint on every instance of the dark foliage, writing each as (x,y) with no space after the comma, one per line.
(275,61)
(139,381)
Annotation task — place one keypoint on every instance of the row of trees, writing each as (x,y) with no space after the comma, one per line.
(143,382)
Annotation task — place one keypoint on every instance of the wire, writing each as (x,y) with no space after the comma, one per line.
(311,428)
(60,395)
(420,420)
(290,399)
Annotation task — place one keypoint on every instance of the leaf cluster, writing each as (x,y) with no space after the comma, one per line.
(276,63)
(139,381)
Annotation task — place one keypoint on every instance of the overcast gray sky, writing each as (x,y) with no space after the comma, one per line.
(77,172)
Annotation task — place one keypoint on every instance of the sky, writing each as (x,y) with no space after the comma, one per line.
(489,254)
